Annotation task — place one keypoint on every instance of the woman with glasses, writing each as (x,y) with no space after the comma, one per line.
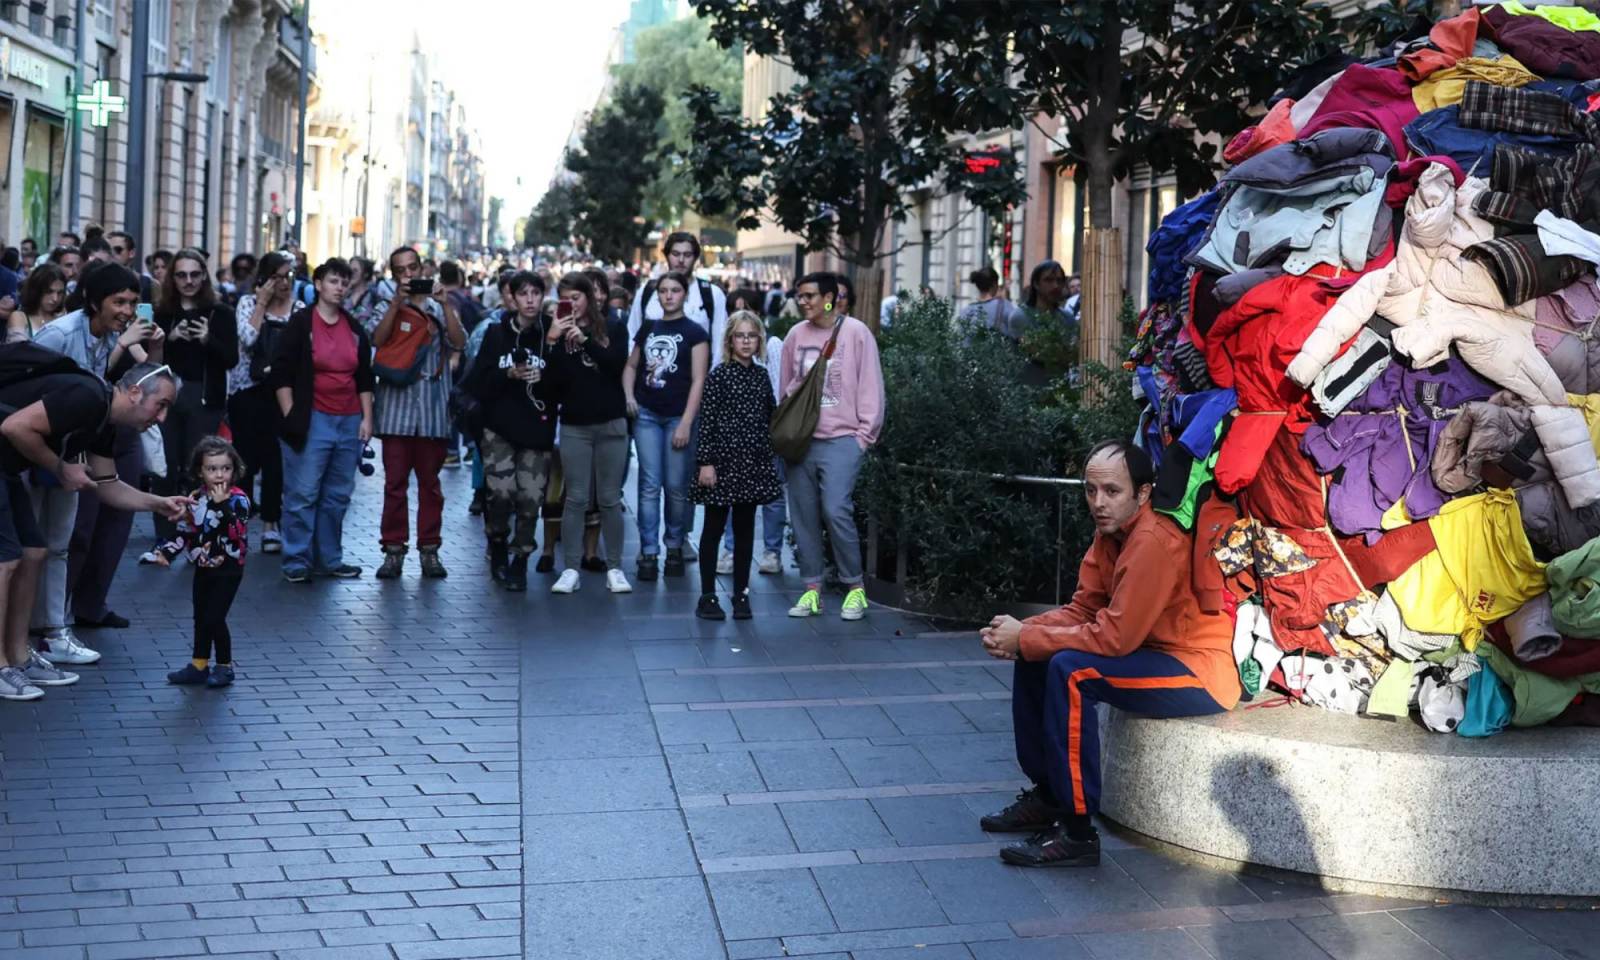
(321,376)
(202,346)
(260,319)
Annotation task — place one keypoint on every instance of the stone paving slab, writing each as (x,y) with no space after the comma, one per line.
(415,770)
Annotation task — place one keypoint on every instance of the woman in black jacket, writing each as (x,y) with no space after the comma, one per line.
(202,346)
(322,378)
(519,426)
(590,353)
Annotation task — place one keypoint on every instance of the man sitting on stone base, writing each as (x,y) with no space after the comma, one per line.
(1133,637)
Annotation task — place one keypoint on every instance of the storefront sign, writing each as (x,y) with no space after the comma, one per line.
(100,104)
(19,63)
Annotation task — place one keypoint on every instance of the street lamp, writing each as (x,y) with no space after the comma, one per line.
(138,104)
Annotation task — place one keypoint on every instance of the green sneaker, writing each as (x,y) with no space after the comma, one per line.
(855,605)
(809,605)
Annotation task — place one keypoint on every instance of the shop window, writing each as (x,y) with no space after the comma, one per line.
(44,155)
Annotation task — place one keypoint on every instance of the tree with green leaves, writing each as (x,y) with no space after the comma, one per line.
(672,58)
(615,166)
(551,222)
(837,158)
(885,86)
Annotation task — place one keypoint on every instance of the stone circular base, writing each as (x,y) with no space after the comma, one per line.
(1368,805)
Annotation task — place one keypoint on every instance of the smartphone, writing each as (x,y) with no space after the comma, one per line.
(419,285)
(563,309)
(145,313)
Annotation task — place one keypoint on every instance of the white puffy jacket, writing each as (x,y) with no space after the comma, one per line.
(1438,299)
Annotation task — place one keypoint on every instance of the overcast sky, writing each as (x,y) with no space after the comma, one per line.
(541,60)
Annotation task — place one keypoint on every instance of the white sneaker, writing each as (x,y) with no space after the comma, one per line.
(566,583)
(42,673)
(14,685)
(616,582)
(770,563)
(63,647)
(724,563)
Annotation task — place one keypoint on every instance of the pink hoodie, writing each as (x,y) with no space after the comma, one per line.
(852,395)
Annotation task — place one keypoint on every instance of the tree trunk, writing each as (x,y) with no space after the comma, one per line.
(1100,333)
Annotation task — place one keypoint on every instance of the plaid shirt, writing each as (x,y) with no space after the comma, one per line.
(1523,182)
(421,409)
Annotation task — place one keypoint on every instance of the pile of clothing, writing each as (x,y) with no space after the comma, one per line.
(1371,375)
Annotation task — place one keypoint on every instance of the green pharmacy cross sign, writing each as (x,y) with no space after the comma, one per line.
(99,104)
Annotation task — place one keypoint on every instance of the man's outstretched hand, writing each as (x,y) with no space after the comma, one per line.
(1002,638)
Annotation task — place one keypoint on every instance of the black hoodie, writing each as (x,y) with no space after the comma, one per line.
(524,414)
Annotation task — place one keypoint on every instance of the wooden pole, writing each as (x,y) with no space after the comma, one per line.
(1099,333)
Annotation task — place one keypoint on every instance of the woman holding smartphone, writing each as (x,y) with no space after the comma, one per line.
(260,318)
(587,356)
(665,374)
(202,345)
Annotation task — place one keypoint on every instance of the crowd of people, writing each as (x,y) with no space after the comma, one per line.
(256,392)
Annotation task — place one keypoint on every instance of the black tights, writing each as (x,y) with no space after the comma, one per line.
(744,541)
(214,590)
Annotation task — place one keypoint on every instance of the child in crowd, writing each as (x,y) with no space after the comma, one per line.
(213,535)
(734,455)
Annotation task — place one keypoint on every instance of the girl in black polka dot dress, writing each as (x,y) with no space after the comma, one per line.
(734,455)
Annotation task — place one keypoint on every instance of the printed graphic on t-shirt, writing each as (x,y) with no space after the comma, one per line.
(660,358)
(833,381)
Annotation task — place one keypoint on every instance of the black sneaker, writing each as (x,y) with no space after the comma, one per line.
(517,573)
(1053,848)
(221,675)
(394,562)
(187,675)
(674,563)
(475,508)
(297,574)
(498,558)
(547,563)
(647,567)
(344,571)
(709,608)
(1026,814)
(593,565)
(741,606)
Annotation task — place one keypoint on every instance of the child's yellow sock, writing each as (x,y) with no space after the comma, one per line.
(199,664)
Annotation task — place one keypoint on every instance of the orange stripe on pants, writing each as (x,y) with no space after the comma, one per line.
(1075,707)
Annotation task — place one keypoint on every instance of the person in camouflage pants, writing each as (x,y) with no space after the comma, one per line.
(516,481)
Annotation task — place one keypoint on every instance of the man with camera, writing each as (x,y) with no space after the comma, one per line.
(414,340)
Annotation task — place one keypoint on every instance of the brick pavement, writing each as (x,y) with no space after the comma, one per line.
(393,753)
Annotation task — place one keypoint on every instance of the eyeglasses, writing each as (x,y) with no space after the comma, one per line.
(189,274)
(158,371)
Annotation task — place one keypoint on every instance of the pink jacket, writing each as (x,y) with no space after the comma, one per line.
(852,397)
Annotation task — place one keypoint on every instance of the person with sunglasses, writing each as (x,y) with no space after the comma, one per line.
(64,424)
(202,345)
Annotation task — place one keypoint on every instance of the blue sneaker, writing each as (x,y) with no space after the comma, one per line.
(190,675)
(221,675)
(296,575)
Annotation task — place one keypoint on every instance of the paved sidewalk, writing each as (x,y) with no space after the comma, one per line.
(418,770)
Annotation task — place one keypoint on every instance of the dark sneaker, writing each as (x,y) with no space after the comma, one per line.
(1026,814)
(111,620)
(741,606)
(517,573)
(498,558)
(1053,848)
(593,565)
(674,563)
(394,562)
(221,676)
(296,574)
(709,608)
(432,566)
(188,675)
(344,571)
(547,563)
(647,567)
(475,508)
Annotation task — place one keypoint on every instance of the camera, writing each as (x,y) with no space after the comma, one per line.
(419,286)
(367,454)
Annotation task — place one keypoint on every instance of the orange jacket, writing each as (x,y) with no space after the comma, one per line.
(1134,591)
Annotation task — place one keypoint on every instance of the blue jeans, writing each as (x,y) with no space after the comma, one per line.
(317,482)
(773,516)
(662,468)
